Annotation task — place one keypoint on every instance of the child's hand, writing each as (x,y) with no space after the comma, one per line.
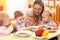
(30,21)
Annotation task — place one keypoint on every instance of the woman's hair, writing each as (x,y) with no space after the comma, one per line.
(17,14)
(39,2)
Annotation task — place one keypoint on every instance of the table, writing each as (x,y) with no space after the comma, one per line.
(13,36)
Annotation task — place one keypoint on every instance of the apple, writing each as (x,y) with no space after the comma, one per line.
(41,29)
(38,33)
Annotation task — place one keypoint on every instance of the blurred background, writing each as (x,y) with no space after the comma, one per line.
(10,6)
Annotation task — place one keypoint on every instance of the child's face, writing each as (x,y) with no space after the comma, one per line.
(20,19)
(7,22)
(46,18)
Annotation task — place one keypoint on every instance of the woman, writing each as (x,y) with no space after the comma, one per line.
(35,16)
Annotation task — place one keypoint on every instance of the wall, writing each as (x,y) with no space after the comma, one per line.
(3,3)
(13,5)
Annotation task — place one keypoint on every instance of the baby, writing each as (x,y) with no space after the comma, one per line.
(19,20)
(47,19)
(5,24)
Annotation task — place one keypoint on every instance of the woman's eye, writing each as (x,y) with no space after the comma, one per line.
(39,9)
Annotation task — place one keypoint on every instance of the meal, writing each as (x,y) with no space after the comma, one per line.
(52,29)
(22,33)
(41,32)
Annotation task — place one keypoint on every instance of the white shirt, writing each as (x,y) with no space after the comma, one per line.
(5,30)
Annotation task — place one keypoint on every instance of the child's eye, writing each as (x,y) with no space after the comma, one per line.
(23,18)
(20,19)
(34,8)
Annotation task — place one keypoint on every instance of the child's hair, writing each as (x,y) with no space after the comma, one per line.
(47,12)
(50,14)
(3,16)
(7,22)
(17,14)
(1,19)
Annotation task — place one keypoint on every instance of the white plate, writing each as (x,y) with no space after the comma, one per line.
(35,27)
(23,33)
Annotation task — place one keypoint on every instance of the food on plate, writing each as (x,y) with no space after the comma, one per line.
(45,33)
(22,33)
(49,28)
(52,28)
(52,31)
(39,32)
(55,28)
(41,28)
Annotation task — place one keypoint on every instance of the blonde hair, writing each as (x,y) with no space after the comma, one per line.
(3,17)
(47,12)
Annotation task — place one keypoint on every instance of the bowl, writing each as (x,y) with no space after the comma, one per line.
(23,33)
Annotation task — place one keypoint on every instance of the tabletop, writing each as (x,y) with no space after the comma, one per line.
(13,36)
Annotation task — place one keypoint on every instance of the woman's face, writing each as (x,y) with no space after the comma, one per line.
(37,9)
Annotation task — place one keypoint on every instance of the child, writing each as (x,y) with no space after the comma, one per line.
(47,19)
(5,27)
(19,20)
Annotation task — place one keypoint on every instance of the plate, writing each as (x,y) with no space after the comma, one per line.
(34,28)
(52,31)
(23,33)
